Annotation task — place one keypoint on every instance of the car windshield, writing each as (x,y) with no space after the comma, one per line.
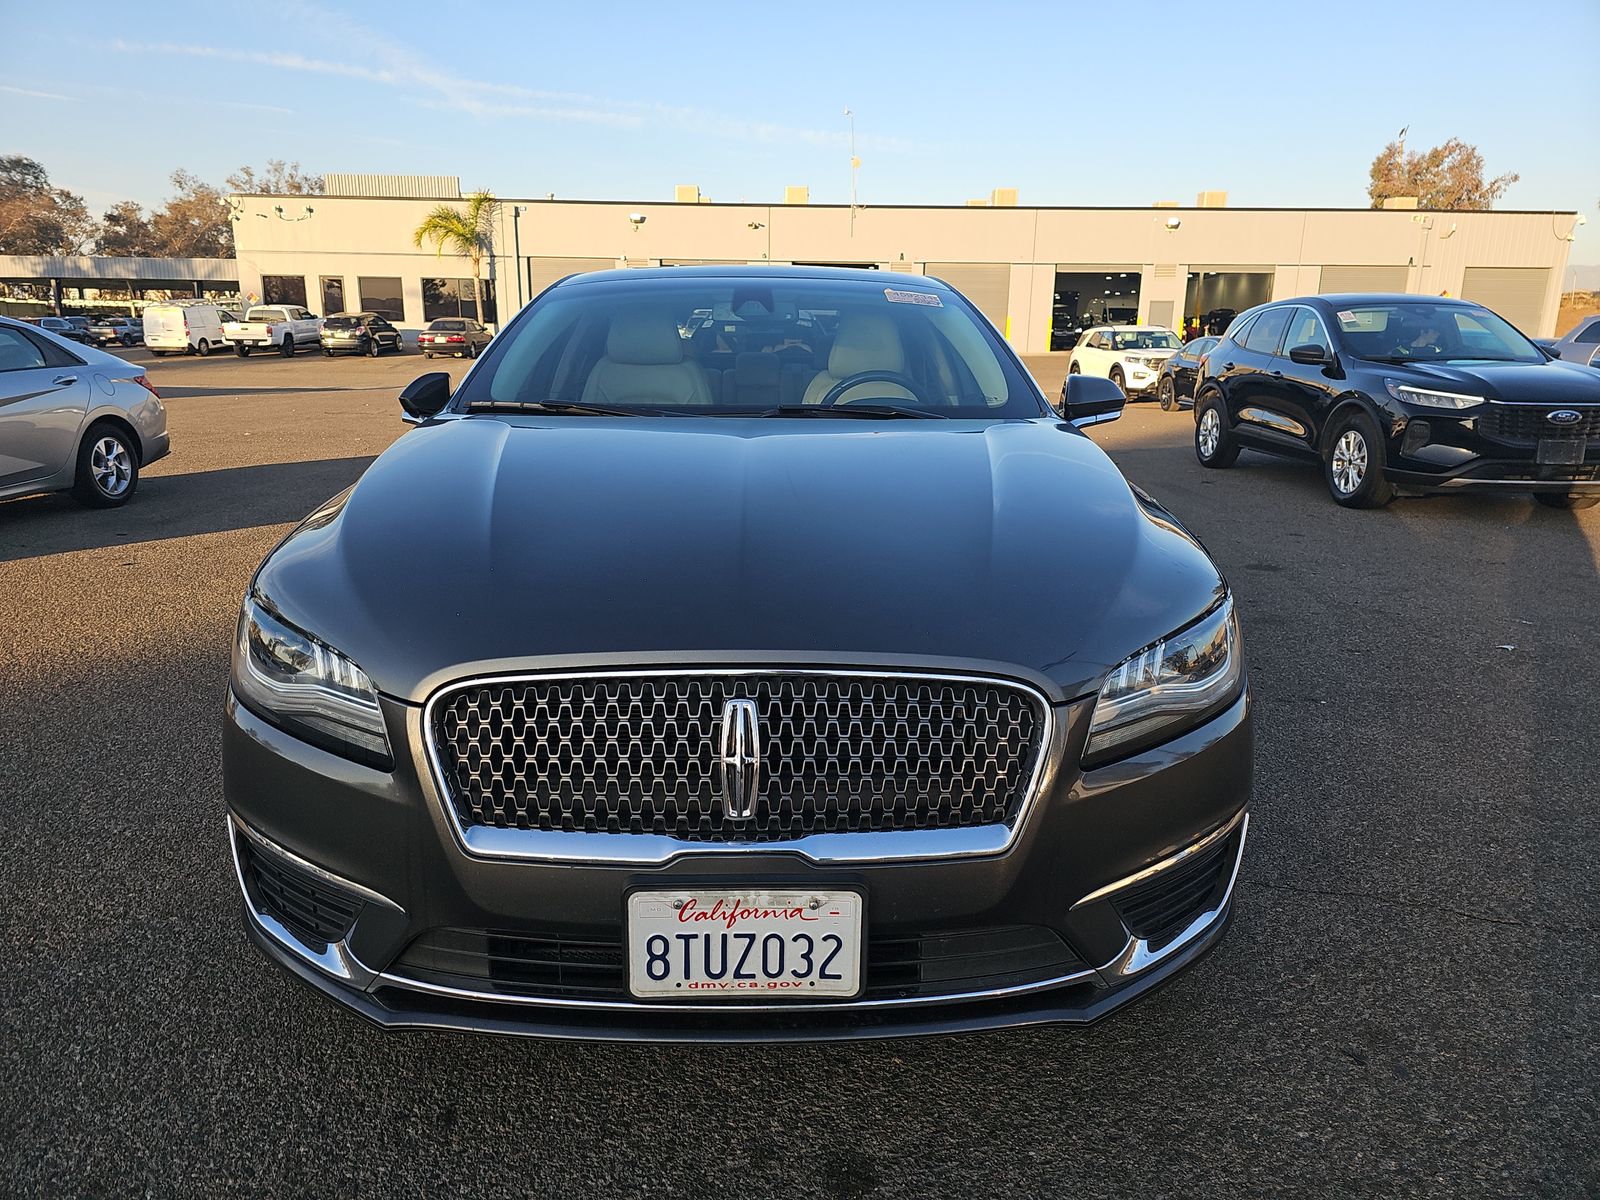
(1144,339)
(1401,331)
(448,327)
(768,345)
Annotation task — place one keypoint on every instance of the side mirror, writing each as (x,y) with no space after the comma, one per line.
(425,396)
(1089,400)
(1311,354)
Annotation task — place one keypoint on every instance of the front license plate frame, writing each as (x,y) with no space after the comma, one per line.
(733,928)
(1561,452)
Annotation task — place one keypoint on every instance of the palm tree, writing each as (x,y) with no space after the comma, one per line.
(469,234)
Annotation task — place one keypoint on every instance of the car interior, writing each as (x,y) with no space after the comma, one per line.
(752,351)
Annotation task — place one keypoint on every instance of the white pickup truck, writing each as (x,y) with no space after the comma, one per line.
(281,327)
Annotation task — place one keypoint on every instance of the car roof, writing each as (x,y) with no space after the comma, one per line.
(1334,299)
(853,274)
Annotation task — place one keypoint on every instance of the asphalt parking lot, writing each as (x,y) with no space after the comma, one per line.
(1406,1004)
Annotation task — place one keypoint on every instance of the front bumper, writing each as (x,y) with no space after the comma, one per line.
(1434,452)
(1095,847)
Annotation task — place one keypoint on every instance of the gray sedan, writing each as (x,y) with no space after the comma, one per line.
(1579,344)
(73,418)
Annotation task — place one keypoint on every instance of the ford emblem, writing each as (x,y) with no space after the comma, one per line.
(1564,416)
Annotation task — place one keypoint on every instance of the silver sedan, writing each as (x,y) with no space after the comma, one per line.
(73,418)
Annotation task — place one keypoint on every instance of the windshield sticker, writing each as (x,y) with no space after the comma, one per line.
(1349,320)
(924,298)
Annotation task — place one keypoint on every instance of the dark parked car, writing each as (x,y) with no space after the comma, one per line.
(1405,392)
(1181,372)
(455,336)
(359,333)
(622,698)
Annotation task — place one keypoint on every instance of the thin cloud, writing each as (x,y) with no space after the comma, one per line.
(393,66)
(19,91)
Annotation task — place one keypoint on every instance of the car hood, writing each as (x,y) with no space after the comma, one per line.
(1542,382)
(485,544)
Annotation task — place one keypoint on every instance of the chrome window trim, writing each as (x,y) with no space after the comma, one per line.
(653,850)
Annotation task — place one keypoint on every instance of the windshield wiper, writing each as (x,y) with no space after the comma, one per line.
(566,407)
(852,409)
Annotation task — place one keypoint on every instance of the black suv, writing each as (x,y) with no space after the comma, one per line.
(1401,392)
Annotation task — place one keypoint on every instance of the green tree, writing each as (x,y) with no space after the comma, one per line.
(36,218)
(1449,176)
(469,233)
(279,179)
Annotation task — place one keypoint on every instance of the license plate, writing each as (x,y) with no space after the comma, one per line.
(795,944)
(1561,452)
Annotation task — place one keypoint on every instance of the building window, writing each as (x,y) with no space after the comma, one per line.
(332,295)
(283,289)
(381,295)
(454,298)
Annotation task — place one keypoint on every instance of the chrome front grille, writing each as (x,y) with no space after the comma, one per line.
(641,753)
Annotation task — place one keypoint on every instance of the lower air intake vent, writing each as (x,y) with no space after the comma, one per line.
(308,906)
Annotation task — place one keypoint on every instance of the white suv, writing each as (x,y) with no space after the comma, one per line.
(1130,356)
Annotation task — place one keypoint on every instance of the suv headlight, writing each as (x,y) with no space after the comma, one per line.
(306,687)
(1182,680)
(1409,394)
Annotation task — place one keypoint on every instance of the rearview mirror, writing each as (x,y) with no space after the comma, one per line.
(1311,354)
(425,396)
(1089,400)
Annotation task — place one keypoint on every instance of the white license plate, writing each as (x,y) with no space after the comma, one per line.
(720,943)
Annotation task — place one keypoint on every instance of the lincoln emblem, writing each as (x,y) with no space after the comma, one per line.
(739,759)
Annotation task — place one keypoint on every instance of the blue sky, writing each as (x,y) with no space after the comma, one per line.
(1279,103)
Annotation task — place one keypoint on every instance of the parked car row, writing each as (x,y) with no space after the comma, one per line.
(202,328)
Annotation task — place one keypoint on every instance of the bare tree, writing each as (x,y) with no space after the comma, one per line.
(279,179)
(36,218)
(1449,176)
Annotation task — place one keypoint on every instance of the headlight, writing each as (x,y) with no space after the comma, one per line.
(1179,682)
(1409,394)
(307,688)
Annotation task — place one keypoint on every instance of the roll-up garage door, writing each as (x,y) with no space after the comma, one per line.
(542,272)
(1363,279)
(1516,293)
(987,285)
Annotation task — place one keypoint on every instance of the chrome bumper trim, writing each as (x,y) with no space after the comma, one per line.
(336,959)
(1172,860)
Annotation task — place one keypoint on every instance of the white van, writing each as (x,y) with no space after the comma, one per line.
(184,328)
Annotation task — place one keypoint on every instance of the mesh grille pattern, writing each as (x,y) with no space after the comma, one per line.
(638,754)
(312,909)
(1162,907)
(1520,423)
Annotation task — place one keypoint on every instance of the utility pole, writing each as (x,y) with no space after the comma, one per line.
(855,165)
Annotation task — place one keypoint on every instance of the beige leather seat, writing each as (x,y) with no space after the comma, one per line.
(644,364)
(863,342)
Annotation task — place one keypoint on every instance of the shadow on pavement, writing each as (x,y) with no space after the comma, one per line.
(174,506)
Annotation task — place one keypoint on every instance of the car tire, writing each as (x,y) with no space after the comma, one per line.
(426,354)
(203,349)
(1214,443)
(1167,394)
(372,348)
(472,350)
(327,354)
(286,348)
(1117,378)
(1073,370)
(1353,463)
(108,467)
(1570,501)
(242,350)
